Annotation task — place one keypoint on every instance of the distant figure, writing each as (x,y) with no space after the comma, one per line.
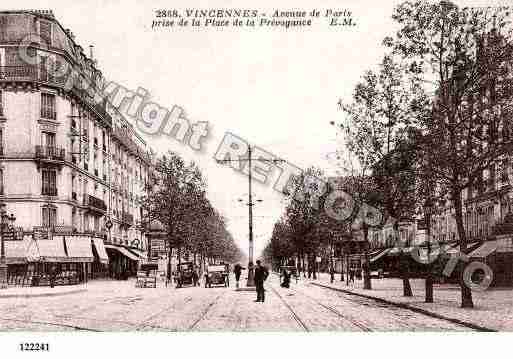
(237,270)
(195,276)
(359,274)
(53,275)
(261,274)
(351,275)
(286,278)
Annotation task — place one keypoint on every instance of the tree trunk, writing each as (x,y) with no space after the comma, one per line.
(407,292)
(466,293)
(403,266)
(429,267)
(315,266)
(169,256)
(367,284)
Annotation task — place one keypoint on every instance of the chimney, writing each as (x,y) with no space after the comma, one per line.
(91,52)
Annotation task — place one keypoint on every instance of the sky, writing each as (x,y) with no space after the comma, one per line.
(277,89)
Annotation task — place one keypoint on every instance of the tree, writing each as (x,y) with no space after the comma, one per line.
(465,57)
(177,199)
(380,120)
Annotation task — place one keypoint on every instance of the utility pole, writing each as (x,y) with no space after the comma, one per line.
(251,274)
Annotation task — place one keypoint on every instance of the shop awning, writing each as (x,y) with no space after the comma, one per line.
(484,250)
(16,252)
(139,253)
(79,249)
(380,255)
(100,249)
(52,250)
(123,251)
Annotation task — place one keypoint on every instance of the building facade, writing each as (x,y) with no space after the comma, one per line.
(67,163)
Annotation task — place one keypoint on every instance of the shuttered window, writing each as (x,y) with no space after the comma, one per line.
(49,216)
(49,182)
(48,106)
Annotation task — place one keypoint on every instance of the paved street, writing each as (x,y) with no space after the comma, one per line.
(119,306)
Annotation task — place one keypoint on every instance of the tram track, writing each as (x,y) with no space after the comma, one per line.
(205,311)
(353,321)
(146,322)
(53,324)
(289,307)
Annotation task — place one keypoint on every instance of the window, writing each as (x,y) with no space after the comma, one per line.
(48,139)
(1,181)
(86,222)
(48,106)
(49,182)
(49,216)
(1,104)
(97,223)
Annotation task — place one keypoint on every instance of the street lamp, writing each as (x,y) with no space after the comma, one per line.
(5,220)
(251,279)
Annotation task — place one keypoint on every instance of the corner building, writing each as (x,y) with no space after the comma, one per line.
(71,170)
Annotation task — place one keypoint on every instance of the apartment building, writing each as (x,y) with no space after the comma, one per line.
(67,164)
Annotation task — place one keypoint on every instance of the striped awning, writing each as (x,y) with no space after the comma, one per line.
(123,251)
(52,250)
(139,253)
(100,249)
(19,252)
(79,249)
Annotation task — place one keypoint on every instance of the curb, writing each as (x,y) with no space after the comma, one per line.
(75,291)
(412,308)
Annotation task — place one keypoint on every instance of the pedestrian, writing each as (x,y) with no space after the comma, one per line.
(237,270)
(195,276)
(351,275)
(286,278)
(53,274)
(261,274)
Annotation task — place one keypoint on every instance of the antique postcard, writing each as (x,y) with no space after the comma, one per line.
(227,167)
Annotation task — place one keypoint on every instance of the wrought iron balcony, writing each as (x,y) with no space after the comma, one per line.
(95,203)
(50,153)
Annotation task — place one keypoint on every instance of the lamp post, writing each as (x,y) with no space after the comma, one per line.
(5,219)
(251,274)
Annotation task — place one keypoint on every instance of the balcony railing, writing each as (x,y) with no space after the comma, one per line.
(49,191)
(50,153)
(95,203)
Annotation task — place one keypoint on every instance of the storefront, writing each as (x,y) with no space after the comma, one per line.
(100,264)
(122,262)
(61,259)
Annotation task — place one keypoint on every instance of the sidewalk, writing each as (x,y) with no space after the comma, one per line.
(28,292)
(493,308)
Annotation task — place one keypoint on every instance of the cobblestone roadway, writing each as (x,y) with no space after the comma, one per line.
(119,306)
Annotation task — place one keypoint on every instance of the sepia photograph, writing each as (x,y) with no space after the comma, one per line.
(250,168)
